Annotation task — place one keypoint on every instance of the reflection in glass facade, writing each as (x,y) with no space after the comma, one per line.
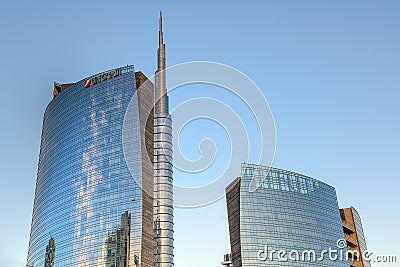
(288,211)
(86,199)
(360,235)
(50,251)
(163,171)
(355,238)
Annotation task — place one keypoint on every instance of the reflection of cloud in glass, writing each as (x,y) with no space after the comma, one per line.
(83,185)
(87,187)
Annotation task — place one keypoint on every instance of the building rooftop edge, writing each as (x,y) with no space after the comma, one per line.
(232,184)
(64,86)
(277,169)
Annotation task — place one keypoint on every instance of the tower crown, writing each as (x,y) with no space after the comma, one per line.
(161,97)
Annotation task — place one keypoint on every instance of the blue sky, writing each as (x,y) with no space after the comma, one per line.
(329,70)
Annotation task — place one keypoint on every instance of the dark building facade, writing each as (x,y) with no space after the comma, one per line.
(98,211)
(288,211)
(354,236)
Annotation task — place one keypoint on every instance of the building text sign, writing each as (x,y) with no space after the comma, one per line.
(103,77)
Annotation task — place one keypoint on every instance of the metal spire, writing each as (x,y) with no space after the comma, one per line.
(160,31)
(161,90)
(163,177)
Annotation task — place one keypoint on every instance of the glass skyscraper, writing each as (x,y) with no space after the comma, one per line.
(287,212)
(104,194)
(90,209)
(163,186)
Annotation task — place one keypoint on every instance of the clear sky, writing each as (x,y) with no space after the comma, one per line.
(330,71)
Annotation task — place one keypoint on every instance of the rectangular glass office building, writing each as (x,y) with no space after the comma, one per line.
(286,212)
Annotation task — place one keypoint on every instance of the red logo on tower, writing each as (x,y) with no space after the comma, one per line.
(102,77)
(87,83)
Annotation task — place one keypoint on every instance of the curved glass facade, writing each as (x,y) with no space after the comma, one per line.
(360,236)
(287,212)
(86,199)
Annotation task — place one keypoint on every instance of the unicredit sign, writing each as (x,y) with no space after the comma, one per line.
(103,77)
